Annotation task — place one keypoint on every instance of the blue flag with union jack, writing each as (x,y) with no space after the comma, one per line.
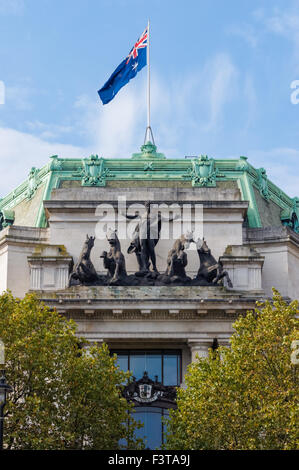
(128,69)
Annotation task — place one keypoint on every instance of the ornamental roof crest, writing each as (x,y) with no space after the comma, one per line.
(94,172)
(203,172)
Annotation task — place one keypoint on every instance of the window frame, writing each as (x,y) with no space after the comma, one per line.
(162,352)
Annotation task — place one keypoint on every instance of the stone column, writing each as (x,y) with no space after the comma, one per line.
(223,342)
(199,347)
(35,277)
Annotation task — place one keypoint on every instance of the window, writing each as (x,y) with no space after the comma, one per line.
(153,430)
(166,366)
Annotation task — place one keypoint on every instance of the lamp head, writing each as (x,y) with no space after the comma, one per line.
(4,389)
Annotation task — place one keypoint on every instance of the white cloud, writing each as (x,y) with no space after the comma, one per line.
(113,129)
(11,7)
(251,99)
(258,13)
(286,23)
(48,131)
(181,107)
(185,111)
(220,81)
(19,96)
(246,32)
(20,151)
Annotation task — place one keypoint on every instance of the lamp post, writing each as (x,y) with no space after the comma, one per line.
(4,389)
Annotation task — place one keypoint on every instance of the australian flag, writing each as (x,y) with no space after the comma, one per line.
(129,67)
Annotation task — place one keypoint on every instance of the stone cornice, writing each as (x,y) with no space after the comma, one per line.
(271,235)
(151,302)
(53,206)
(23,235)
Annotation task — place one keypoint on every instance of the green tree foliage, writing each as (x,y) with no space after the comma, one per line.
(246,396)
(65,396)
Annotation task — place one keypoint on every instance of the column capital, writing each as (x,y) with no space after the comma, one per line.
(205,342)
(200,347)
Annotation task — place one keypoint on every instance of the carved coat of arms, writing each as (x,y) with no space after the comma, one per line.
(146,390)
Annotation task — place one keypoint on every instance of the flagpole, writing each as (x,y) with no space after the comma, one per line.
(148,80)
(148,132)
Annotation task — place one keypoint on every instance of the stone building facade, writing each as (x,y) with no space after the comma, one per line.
(250,225)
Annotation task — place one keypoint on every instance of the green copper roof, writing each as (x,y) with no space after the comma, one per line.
(268,205)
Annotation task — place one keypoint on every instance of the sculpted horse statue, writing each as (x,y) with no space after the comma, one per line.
(84,270)
(177,258)
(114,261)
(210,271)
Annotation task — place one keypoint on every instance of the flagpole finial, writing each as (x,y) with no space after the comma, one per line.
(149,136)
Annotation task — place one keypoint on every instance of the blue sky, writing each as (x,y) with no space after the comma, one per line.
(221,77)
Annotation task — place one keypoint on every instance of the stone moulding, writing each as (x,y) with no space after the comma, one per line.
(105,314)
(49,267)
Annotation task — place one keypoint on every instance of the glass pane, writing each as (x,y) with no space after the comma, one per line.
(164,423)
(122,362)
(153,363)
(146,361)
(171,369)
(152,430)
(137,365)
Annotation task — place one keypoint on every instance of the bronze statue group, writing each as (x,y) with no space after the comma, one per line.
(144,240)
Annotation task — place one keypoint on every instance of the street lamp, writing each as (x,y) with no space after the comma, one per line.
(4,389)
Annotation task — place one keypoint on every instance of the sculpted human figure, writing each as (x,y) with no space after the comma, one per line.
(146,237)
(114,261)
(84,270)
